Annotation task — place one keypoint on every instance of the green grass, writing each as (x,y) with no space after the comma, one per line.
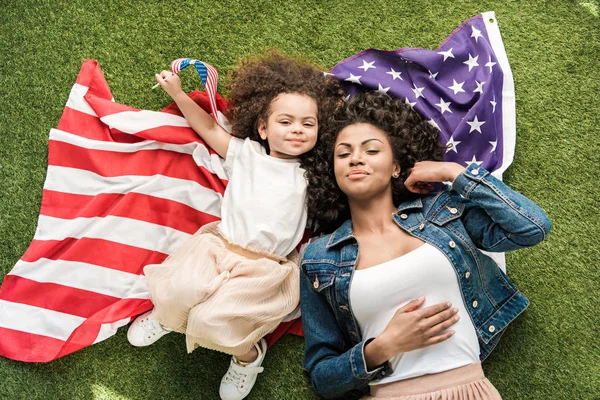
(550,352)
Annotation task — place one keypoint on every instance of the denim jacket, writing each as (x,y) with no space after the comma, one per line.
(478,212)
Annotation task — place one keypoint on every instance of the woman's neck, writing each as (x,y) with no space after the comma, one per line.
(372,216)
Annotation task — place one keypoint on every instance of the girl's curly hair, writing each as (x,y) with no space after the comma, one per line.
(256,82)
(411,137)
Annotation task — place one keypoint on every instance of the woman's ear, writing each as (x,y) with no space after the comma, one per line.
(262,129)
(396,171)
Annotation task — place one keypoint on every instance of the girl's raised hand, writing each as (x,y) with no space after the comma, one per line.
(170,82)
(425,172)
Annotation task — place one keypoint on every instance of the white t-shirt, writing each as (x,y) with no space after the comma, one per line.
(264,203)
(376,294)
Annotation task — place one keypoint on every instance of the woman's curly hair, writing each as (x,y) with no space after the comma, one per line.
(256,82)
(411,137)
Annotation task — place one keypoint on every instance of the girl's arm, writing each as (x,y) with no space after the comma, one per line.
(496,217)
(201,122)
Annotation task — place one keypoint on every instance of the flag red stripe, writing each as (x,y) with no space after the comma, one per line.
(131,205)
(140,163)
(90,127)
(55,297)
(100,252)
(28,347)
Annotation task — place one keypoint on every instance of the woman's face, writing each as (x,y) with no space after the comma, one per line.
(363,161)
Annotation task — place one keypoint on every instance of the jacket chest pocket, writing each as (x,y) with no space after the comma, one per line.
(322,282)
(448,215)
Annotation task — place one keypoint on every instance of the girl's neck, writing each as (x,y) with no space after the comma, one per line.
(373,215)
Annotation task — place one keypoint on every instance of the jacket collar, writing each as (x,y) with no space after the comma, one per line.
(341,234)
(414,203)
(344,232)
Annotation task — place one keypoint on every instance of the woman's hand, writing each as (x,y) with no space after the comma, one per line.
(170,82)
(411,328)
(425,172)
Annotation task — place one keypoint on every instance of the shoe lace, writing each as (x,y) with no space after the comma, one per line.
(237,374)
(151,327)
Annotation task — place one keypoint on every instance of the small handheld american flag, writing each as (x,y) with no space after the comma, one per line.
(208,75)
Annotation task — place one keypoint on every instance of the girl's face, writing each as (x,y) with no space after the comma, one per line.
(363,161)
(291,128)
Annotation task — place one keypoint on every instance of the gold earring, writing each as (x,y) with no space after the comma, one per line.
(395,175)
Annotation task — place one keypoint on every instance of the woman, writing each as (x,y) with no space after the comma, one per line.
(404,242)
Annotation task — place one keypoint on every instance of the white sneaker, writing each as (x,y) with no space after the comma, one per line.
(238,381)
(144,330)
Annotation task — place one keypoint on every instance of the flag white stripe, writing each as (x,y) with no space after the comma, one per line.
(36,320)
(107,330)
(202,158)
(84,276)
(122,230)
(78,181)
(133,122)
(509,123)
(77,102)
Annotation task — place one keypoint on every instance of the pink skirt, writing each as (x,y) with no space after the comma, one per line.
(464,383)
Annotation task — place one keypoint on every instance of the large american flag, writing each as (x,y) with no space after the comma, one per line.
(125,187)
(464,88)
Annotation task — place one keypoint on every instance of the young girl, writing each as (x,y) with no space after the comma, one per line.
(235,280)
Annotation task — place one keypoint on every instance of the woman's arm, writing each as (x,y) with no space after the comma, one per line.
(496,217)
(201,122)
(336,369)
(333,368)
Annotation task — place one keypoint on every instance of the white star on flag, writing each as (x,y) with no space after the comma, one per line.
(394,74)
(490,64)
(476,33)
(473,160)
(445,106)
(451,145)
(366,66)
(456,87)
(479,87)
(493,102)
(475,125)
(432,123)
(432,75)
(382,90)
(471,62)
(354,79)
(418,91)
(412,105)
(446,54)
(494,144)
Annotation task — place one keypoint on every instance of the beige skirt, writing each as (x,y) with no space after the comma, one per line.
(223,296)
(464,383)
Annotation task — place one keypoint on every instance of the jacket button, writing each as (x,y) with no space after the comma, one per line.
(452,244)
(316,283)
(492,328)
(403,216)
(475,171)
(475,304)
(467,274)
(422,226)
(453,210)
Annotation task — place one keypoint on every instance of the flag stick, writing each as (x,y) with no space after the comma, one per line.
(158,84)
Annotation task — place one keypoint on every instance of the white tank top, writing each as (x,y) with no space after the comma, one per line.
(376,293)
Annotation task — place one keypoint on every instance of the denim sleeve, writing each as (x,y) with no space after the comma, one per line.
(334,369)
(497,218)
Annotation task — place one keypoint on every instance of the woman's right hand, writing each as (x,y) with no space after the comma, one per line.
(170,82)
(412,328)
